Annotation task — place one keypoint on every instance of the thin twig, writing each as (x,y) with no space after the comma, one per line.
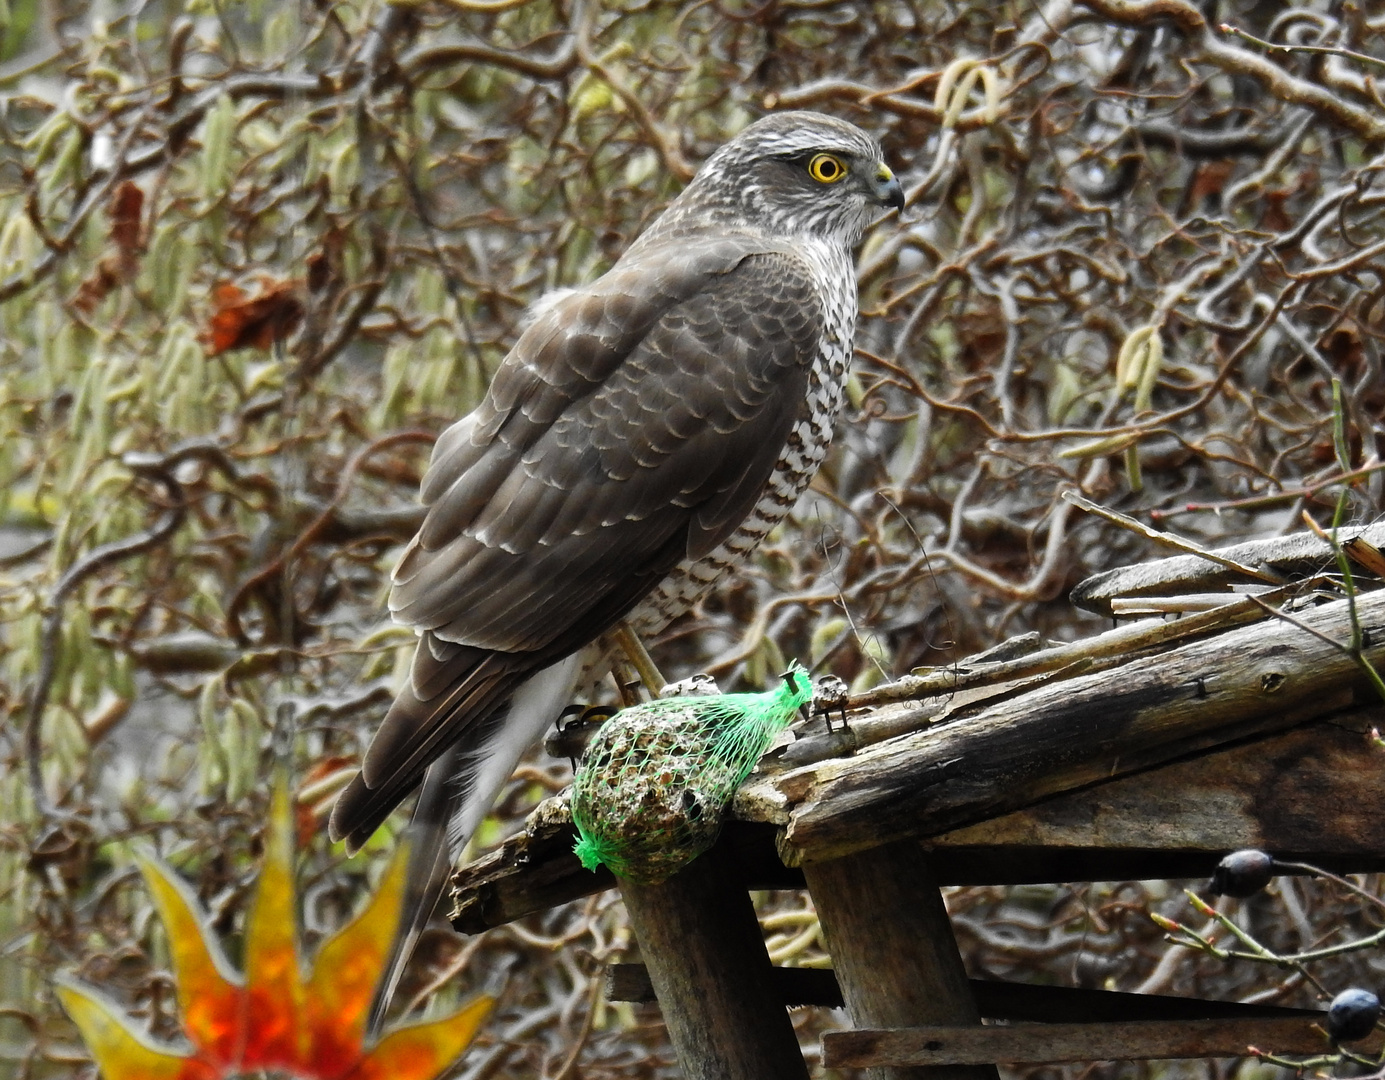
(1329,50)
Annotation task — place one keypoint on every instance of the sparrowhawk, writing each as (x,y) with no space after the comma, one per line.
(643,435)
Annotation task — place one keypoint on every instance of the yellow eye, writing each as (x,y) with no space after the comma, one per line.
(827,169)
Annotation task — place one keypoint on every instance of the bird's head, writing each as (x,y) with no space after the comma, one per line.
(798,172)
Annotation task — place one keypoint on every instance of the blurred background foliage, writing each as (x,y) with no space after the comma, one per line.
(255,254)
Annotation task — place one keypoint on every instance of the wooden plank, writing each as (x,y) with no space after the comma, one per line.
(531,871)
(711,972)
(1312,792)
(1039,865)
(1072,734)
(892,948)
(1049,1043)
(995,999)
(1299,555)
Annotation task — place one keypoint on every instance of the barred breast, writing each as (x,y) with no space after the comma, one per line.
(803,453)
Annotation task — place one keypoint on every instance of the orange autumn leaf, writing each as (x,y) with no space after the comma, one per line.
(273,1017)
(127,205)
(240,320)
(1208,181)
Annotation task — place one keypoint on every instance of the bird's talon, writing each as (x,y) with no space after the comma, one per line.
(572,710)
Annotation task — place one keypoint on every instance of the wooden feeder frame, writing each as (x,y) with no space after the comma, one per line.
(1146,752)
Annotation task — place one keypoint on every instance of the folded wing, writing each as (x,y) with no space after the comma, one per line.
(634,424)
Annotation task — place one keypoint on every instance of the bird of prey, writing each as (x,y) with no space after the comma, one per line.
(643,435)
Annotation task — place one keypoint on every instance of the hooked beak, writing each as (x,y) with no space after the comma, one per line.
(887,188)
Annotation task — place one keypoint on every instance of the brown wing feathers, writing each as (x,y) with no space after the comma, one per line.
(635,422)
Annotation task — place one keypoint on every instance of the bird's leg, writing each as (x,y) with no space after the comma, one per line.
(626,680)
(624,670)
(634,650)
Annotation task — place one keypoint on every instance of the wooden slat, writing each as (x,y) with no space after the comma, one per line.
(1075,733)
(1049,1043)
(995,1000)
(1004,865)
(1316,794)
(1316,789)
(707,960)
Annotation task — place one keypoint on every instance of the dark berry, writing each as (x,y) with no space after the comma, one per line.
(1352,1015)
(1242,873)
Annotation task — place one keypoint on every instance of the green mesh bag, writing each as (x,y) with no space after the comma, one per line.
(653,787)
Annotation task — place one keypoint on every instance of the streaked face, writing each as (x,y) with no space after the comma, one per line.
(802,172)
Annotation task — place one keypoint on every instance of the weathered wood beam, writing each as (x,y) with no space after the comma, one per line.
(1036,865)
(1047,1043)
(892,949)
(1316,793)
(536,870)
(995,1000)
(706,957)
(1074,733)
(1297,556)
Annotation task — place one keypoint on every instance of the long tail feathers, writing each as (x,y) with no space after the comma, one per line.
(458,791)
(533,709)
(430,866)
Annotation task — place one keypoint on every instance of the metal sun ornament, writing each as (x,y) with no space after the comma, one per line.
(272,1018)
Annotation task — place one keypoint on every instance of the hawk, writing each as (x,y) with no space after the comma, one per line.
(644,434)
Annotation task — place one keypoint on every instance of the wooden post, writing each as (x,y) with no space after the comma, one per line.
(892,948)
(710,969)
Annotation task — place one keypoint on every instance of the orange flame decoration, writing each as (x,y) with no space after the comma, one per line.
(272,1018)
